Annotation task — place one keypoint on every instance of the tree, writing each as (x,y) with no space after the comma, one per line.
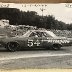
(69,26)
(12,14)
(17,17)
(50,22)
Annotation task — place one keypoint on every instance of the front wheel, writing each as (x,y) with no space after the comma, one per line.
(12,46)
(56,47)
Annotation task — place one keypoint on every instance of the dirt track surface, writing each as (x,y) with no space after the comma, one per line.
(36,59)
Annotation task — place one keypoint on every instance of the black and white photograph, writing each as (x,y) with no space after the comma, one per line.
(35,35)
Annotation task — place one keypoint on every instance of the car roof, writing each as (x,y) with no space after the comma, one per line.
(37,30)
(30,31)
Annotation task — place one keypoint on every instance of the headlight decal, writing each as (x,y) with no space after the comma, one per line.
(57,41)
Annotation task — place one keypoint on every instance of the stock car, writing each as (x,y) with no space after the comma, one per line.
(34,39)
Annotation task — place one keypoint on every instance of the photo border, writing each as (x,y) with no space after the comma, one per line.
(37,1)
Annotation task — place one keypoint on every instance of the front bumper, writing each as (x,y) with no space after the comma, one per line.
(67,44)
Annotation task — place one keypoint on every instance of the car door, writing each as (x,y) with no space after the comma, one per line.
(46,39)
(34,40)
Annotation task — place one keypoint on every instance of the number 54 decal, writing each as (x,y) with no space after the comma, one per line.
(32,43)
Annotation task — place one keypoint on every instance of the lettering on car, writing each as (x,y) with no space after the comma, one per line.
(32,43)
(57,41)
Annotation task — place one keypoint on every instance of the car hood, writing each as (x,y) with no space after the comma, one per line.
(62,37)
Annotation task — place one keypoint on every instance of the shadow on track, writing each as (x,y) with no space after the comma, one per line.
(33,49)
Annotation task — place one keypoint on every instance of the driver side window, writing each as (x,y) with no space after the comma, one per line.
(46,35)
(33,34)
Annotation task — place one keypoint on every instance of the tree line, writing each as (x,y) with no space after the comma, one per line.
(17,17)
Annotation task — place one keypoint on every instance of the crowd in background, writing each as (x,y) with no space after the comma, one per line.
(20,30)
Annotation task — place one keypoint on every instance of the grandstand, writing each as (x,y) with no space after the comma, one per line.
(64,33)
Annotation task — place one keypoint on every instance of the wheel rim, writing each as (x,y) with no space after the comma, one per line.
(56,47)
(12,46)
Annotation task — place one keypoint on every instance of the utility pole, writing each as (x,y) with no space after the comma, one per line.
(42,9)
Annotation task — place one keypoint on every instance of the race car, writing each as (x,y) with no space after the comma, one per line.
(34,39)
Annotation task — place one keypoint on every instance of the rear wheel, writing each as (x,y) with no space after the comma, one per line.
(56,47)
(12,46)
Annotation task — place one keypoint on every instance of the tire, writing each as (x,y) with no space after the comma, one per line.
(12,46)
(56,47)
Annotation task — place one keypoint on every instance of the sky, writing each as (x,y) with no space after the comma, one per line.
(61,11)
